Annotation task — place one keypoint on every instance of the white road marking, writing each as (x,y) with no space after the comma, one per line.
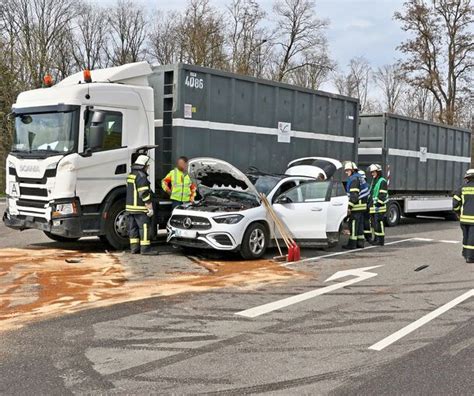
(367,248)
(359,273)
(420,322)
(345,252)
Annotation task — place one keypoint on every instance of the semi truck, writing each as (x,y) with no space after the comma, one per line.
(75,140)
(423,162)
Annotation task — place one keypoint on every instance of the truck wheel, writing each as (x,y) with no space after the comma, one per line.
(392,218)
(116,226)
(254,242)
(59,238)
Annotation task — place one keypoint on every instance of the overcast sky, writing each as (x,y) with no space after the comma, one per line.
(357,27)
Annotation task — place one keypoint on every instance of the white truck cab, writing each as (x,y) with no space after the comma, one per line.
(73,148)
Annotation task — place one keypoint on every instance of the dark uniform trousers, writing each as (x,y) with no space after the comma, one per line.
(358,208)
(139,195)
(463,203)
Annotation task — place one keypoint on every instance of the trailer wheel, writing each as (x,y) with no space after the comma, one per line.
(116,226)
(394,212)
(59,238)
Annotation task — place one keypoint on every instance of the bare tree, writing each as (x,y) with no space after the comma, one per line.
(440,50)
(312,75)
(164,38)
(245,36)
(128,32)
(201,35)
(37,29)
(298,33)
(90,41)
(356,82)
(389,78)
(418,103)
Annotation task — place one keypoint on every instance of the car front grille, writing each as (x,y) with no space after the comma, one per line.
(33,191)
(190,222)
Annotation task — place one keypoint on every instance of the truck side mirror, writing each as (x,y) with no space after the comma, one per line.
(97,130)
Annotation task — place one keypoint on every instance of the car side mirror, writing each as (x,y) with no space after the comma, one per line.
(87,152)
(283,200)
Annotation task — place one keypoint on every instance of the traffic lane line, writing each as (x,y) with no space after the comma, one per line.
(316,258)
(420,322)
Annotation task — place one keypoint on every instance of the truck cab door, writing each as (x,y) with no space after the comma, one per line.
(304,210)
(104,162)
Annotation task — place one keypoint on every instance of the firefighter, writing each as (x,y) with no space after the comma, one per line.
(368,231)
(463,204)
(139,207)
(358,191)
(378,203)
(178,185)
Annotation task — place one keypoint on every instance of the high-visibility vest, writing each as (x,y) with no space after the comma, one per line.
(180,185)
(379,196)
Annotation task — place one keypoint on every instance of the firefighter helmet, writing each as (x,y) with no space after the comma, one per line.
(350,166)
(375,168)
(469,173)
(142,160)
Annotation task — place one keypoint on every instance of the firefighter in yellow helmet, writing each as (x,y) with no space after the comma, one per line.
(463,204)
(178,184)
(139,207)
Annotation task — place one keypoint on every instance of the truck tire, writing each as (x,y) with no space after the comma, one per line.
(59,238)
(254,242)
(116,226)
(393,215)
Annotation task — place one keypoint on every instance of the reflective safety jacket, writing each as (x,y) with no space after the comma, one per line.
(138,191)
(179,185)
(463,203)
(378,195)
(357,191)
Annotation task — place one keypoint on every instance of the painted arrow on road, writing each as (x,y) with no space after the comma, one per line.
(359,274)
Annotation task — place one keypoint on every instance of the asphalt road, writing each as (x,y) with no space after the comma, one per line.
(195,343)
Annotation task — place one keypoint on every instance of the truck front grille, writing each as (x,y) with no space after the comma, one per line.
(33,191)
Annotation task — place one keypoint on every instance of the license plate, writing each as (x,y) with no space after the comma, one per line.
(186,234)
(14,190)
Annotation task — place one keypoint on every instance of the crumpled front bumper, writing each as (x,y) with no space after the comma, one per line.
(66,227)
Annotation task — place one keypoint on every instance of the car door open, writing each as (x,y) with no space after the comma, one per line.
(304,210)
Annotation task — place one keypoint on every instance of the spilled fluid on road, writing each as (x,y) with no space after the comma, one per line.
(43,283)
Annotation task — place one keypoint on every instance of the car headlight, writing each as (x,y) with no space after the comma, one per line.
(11,165)
(64,209)
(228,219)
(66,166)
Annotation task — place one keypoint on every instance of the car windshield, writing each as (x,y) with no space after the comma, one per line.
(45,133)
(264,183)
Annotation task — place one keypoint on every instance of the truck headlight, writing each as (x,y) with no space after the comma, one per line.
(228,219)
(64,209)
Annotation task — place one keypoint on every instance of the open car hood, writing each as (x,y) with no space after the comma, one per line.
(213,173)
(314,167)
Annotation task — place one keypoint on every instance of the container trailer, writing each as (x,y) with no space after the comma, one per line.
(423,162)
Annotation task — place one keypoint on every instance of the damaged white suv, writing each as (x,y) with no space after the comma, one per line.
(230,215)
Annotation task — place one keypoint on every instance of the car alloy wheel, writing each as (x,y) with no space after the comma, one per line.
(257,241)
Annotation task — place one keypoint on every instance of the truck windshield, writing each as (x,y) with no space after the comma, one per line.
(46,133)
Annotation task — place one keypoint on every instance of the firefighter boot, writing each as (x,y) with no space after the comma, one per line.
(351,245)
(360,243)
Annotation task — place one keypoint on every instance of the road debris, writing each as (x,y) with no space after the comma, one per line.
(42,283)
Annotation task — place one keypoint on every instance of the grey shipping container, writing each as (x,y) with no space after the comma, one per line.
(247,121)
(424,161)
(421,156)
